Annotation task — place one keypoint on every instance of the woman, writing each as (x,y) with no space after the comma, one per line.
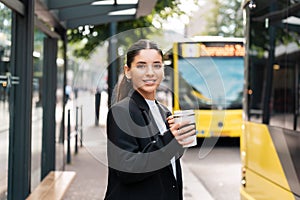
(144,143)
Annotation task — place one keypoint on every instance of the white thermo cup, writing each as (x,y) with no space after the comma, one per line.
(186,115)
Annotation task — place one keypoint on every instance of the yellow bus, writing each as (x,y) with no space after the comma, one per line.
(270,141)
(207,75)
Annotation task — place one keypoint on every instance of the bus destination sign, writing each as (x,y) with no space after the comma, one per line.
(211,49)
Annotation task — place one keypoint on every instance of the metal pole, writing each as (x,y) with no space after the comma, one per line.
(112,59)
(69,138)
(81,135)
(76,129)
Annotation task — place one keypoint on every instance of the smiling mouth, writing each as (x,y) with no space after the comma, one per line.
(149,81)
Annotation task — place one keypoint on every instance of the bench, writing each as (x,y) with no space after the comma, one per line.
(53,186)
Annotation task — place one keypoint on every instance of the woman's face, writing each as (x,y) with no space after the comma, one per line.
(146,72)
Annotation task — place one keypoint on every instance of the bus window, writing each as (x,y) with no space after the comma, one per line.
(274,48)
(208,78)
(211,82)
(283,97)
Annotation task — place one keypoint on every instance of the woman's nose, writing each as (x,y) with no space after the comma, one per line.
(150,69)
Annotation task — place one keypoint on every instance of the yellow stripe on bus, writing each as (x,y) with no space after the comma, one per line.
(219,123)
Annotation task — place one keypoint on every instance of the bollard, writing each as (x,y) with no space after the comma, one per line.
(76,131)
(97,106)
(69,140)
(81,136)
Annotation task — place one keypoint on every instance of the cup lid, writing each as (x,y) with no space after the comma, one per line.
(183,112)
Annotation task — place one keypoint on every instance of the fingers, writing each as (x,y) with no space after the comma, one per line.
(185,133)
(182,132)
(171,120)
(186,126)
(186,142)
(185,139)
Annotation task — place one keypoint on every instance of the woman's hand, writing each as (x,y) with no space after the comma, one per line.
(182,131)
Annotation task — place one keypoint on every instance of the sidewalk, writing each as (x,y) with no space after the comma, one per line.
(90,165)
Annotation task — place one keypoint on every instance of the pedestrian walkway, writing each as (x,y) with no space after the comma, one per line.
(90,181)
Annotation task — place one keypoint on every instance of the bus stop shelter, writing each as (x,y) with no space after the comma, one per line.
(53,18)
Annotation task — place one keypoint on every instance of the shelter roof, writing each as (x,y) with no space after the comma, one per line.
(70,14)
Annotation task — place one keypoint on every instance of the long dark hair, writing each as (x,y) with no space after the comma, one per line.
(125,86)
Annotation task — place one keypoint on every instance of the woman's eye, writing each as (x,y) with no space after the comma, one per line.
(141,66)
(157,66)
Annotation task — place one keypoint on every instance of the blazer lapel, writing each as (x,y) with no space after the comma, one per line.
(164,113)
(142,104)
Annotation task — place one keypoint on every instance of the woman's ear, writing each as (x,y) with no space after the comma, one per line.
(127,72)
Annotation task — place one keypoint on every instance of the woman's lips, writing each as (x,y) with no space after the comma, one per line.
(149,82)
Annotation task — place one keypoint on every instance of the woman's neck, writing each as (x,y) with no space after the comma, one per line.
(149,96)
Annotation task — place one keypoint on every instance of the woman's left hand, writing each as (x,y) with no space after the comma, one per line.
(182,131)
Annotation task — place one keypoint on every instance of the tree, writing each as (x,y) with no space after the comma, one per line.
(5,22)
(224,18)
(88,38)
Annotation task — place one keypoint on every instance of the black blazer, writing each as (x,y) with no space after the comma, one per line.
(139,156)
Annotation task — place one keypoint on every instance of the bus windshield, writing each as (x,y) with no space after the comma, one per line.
(211,82)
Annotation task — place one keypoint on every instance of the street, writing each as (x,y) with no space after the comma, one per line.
(218,171)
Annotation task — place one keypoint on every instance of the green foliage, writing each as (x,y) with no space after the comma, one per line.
(225,18)
(88,38)
(5,16)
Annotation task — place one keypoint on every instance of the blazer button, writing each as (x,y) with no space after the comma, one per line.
(174,186)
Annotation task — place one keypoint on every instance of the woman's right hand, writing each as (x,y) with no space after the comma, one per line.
(182,131)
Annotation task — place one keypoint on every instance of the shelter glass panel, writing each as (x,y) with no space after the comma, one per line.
(59,137)
(5,49)
(37,109)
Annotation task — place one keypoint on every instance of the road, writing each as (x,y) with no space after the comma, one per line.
(218,170)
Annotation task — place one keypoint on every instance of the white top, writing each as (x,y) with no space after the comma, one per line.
(160,124)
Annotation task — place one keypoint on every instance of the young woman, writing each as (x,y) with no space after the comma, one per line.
(144,144)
